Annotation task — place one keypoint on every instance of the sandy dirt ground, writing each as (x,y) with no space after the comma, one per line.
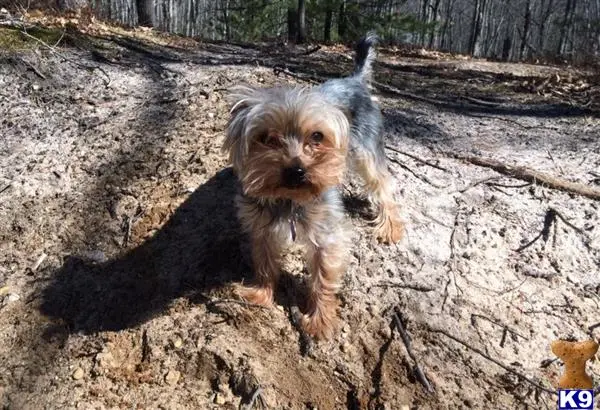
(119,242)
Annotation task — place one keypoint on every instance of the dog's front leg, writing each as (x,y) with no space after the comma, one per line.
(326,264)
(265,258)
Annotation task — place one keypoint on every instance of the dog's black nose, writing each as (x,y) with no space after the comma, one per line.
(294,176)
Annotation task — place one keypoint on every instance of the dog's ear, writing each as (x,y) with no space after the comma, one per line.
(241,99)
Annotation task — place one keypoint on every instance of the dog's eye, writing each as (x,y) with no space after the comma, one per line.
(316,137)
(270,139)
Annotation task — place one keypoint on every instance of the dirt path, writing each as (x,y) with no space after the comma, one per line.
(118,239)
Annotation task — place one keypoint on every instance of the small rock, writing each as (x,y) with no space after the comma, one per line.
(35,87)
(106,360)
(4,290)
(219,399)
(12,297)
(78,374)
(172,377)
(177,343)
(345,347)
(211,115)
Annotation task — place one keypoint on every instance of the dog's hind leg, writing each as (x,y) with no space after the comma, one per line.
(379,184)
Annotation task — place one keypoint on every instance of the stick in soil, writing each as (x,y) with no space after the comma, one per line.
(406,340)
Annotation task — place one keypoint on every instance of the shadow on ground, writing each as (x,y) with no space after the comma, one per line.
(196,251)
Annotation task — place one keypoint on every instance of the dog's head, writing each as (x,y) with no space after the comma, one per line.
(286,143)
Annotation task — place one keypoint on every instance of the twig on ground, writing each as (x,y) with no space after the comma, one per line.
(215,302)
(503,339)
(129,221)
(560,169)
(529,175)
(39,261)
(305,341)
(5,187)
(478,182)
(482,102)
(527,127)
(549,219)
(497,323)
(53,50)
(586,239)
(417,287)
(406,340)
(537,274)
(404,94)
(33,68)
(416,158)
(278,69)
(496,184)
(309,51)
(421,177)
(491,359)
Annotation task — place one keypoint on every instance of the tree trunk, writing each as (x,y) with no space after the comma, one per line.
(545,15)
(476,23)
(563,29)
(434,17)
(424,20)
(301,37)
(327,25)
(145,9)
(342,23)
(506,46)
(525,33)
(292,20)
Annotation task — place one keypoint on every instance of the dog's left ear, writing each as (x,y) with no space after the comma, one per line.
(241,100)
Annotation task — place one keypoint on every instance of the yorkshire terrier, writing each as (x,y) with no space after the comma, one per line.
(289,148)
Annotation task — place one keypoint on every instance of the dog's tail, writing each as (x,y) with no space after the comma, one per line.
(365,55)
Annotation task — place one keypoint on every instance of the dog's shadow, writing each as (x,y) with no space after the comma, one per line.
(201,248)
(197,250)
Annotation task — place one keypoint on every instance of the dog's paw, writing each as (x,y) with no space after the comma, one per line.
(389,230)
(258,295)
(320,324)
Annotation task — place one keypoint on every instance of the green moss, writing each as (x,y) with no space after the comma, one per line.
(14,39)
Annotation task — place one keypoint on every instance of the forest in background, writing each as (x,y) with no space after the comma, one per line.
(507,30)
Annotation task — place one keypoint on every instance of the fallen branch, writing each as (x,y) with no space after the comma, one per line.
(529,175)
(491,359)
(406,340)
